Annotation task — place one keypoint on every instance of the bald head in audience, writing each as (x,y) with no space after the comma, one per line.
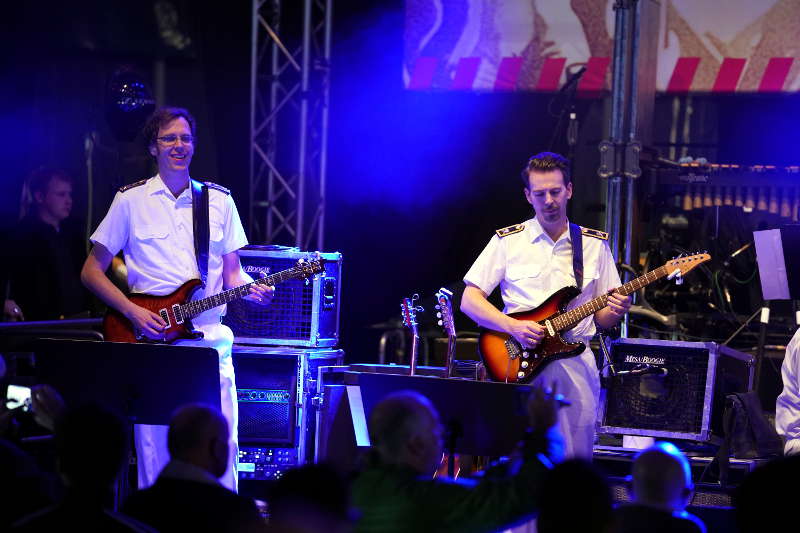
(404,429)
(198,435)
(662,478)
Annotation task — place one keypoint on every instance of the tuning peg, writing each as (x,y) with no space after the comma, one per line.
(439,322)
(438,315)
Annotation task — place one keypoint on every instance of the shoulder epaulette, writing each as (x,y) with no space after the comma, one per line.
(510,230)
(596,233)
(132,185)
(220,188)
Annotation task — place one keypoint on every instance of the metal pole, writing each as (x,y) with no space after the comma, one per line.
(253,103)
(323,153)
(301,170)
(613,200)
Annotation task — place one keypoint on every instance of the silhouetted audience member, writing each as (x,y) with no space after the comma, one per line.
(662,488)
(575,499)
(766,500)
(26,485)
(187,496)
(91,445)
(310,499)
(398,493)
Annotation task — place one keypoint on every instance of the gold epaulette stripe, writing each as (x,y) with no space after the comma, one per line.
(132,185)
(596,233)
(510,230)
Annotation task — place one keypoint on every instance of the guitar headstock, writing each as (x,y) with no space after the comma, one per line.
(409,310)
(445,306)
(680,266)
(310,266)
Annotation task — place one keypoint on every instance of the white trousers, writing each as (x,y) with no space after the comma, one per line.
(579,382)
(151,441)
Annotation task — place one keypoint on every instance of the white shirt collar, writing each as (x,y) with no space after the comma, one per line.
(536,231)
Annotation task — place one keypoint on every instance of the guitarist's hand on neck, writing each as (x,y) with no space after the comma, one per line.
(609,316)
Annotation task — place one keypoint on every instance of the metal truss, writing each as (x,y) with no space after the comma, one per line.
(289,98)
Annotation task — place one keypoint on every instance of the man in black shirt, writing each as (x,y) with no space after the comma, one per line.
(46,252)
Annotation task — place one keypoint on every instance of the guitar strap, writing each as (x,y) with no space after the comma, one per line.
(200,226)
(577,253)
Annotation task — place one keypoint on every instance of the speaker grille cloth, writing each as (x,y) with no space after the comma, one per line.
(663,403)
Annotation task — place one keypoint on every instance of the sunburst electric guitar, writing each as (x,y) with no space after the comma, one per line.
(177,308)
(506,359)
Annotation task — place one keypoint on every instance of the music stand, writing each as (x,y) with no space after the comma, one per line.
(481,418)
(144,383)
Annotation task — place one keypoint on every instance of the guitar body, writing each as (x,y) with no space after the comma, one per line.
(506,360)
(117,328)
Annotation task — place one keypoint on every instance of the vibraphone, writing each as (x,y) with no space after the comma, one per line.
(766,188)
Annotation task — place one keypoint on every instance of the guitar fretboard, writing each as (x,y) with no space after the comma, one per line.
(570,318)
(196,307)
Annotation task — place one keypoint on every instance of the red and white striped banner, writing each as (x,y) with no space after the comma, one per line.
(702,45)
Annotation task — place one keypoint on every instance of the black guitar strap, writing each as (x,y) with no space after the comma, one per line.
(577,253)
(200,226)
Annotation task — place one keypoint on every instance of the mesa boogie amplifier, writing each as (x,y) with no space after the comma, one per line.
(277,417)
(303,313)
(671,389)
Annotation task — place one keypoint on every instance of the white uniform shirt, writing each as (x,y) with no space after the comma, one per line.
(787,406)
(529,267)
(155,232)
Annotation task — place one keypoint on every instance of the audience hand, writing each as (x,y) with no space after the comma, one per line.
(47,406)
(12,312)
(543,407)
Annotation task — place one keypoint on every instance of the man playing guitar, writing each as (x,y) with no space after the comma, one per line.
(151,221)
(532,260)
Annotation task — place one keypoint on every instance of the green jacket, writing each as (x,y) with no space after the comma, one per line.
(393,498)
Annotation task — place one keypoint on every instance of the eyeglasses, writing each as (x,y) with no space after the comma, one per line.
(169,140)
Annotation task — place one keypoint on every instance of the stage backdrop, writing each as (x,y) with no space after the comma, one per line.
(501,45)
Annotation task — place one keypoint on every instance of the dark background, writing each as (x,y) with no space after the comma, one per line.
(417,181)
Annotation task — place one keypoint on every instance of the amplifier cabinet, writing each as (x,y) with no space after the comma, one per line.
(275,388)
(303,313)
(671,389)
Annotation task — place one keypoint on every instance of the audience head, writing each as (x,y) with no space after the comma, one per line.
(574,497)
(198,435)
(404,428)
(91,447)
(662,477)
(50,191)
(310,498)
(765,499)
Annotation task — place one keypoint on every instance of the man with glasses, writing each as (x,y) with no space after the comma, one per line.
(151,221)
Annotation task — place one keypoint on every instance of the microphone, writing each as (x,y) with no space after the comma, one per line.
(572,79)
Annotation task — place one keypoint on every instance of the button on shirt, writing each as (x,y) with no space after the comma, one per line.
(530,267)
(155,232)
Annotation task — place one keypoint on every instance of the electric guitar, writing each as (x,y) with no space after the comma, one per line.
(505,358)
(409,310)
(445,306)
(177,308)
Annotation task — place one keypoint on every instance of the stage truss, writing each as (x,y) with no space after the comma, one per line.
(289,98)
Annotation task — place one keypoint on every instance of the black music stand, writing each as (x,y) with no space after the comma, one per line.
(144,383)
(481,418)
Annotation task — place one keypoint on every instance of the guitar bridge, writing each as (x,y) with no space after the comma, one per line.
(513,348)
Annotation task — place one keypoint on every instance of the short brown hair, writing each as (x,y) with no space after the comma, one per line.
(545,162)
(160,118)
(39,180)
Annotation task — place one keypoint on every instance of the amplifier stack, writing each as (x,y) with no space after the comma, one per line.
(277,352)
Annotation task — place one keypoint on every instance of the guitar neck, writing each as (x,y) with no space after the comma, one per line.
(195,307)
(570,318)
